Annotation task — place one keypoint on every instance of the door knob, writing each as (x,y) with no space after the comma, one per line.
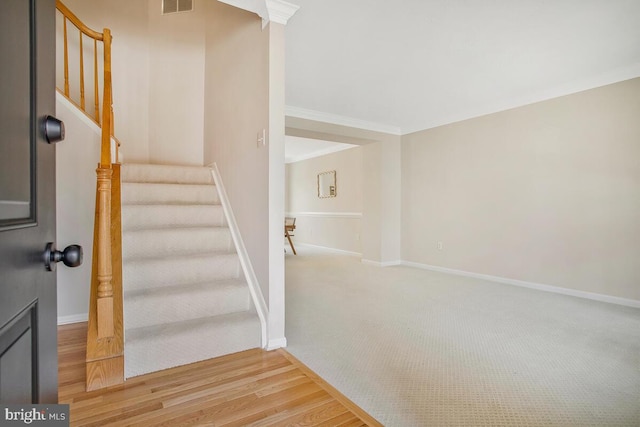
(53,129)
(71,256)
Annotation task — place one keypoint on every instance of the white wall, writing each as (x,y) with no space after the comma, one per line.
(244,100)
(236,110)
(130,67)
(546,193)
(381,190)
(330,222)
(275,144)
(75,210)
(158,76)
(176,81)
(382,194)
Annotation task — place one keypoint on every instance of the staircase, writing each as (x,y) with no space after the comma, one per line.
(185,297)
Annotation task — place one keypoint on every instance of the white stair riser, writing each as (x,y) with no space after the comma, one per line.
(144,274)
(166,174)
(135,217)
(143,194)
(159,308)
(175,242)
(150,352)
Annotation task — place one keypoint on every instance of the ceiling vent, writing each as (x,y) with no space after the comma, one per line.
(173,6)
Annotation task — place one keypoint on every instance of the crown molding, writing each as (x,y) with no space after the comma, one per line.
(255,6)
(319,116)
(280,11)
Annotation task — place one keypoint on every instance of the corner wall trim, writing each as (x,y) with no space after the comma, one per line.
(326,214)
(328,249)
(537,286)
(277,343)
(281,11)
(245,261)
(381,264)
(74,318)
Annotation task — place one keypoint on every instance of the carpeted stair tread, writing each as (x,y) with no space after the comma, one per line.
(135,193)
(136,217)
(158,347)
(168,174)
(152,243)
(185,297)
(156,306)
(163,271)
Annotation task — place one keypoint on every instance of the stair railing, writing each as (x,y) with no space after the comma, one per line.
(105,344)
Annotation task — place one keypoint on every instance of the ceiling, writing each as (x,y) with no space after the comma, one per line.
(407,65)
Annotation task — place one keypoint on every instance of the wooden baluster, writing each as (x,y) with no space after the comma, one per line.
(81,74)
(66,60)
(113,131)
(96,94)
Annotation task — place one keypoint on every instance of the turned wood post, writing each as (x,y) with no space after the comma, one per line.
(105,275)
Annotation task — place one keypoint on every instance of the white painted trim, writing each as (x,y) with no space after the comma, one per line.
(276,343)
(258,7)
(612,77)
(537,286)
(245,261)
(74,318)
(281,11)
(381,264)
(319,116)
(326,214)
(328,249)
(277,11)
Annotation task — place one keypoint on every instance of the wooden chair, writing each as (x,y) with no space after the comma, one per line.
(289,226)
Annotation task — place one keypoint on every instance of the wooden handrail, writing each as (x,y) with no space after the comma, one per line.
(105,152)
(77,22)
(105,343)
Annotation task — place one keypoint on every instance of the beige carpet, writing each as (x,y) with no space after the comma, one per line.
(420,348)
(185,297)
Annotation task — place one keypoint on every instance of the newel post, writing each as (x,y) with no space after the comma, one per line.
(104,306)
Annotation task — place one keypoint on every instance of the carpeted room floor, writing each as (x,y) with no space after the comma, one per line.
(421,348)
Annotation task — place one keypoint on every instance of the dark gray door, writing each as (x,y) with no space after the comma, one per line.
(28,353)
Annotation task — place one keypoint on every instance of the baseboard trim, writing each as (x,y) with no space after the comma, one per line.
(74,318)
(537,286)
(356,215)
(277,343)
(381,264)
(245,261)
(326,248)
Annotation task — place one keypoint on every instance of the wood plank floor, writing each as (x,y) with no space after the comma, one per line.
(251,388)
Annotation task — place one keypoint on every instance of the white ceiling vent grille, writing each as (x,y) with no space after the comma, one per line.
(172,6)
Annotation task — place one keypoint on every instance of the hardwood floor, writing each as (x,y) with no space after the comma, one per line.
(254,387)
